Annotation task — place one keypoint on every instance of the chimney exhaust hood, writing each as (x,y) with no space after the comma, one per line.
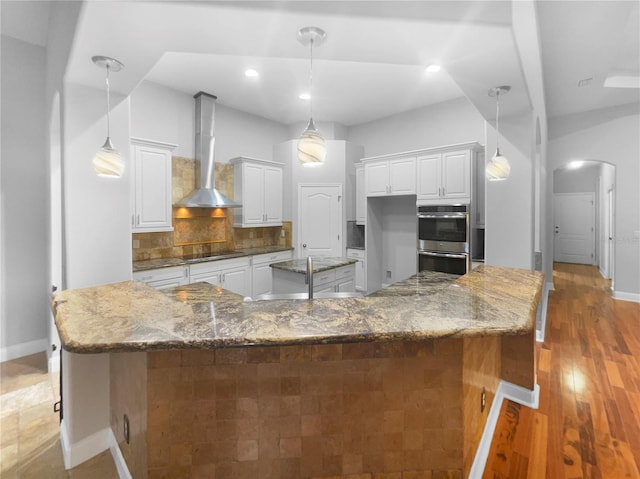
(206,196)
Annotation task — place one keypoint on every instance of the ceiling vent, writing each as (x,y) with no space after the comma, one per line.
(585,82)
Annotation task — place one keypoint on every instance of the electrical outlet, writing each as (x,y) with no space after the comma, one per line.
(483,400)
(136,244)
(282,233)
(250,234)
(388,274)
(125,428)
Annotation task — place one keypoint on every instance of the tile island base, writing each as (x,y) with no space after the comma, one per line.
(400,409)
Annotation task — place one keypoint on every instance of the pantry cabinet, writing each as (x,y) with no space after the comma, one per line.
(390,177)
(258,186)
(151,185)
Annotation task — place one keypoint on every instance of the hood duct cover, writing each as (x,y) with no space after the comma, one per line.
(206,196)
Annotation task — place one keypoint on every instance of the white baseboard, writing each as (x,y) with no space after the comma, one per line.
(505,390)
(544,304)
(23,349)
(86,448)
(118,458)
(624,296)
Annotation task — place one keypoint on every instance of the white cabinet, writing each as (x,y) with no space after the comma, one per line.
(162,278)
(258,186)
(231,274)
(151,183)
(261,277)
(445,176)
(390,177)
(361,196)
(332,280)
(345,280)
(361,270)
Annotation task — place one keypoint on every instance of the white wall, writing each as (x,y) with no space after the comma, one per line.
(581,180)
(447,123)
(614,140)
(24,210)
(164,114)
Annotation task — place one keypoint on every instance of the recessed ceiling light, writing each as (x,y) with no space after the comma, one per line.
(251,73)
(433,68)
(304,96)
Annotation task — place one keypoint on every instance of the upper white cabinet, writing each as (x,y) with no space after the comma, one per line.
(445,174)
(390,177)
(361,196)
(151,183)
(258,186)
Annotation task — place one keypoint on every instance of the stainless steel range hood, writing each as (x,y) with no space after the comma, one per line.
(206,196)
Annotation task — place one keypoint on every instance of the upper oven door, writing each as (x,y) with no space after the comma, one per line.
(443,230)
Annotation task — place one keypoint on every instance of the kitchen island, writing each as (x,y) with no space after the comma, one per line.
(389,384)
(330,274)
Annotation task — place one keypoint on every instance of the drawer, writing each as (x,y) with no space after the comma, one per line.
(161,274)
(345,272)
(272,257)
(324,277)
(356,253)
(212,266)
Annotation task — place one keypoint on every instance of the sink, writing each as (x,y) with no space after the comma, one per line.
(324,295)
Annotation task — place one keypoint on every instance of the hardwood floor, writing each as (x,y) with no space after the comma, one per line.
(588,422)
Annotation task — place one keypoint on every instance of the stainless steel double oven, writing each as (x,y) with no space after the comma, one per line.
(444,238)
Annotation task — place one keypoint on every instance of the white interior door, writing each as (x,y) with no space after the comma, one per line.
(320,220)
(574,225)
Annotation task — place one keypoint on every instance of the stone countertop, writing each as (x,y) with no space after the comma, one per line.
(132,316)
(168,262)
(320,264)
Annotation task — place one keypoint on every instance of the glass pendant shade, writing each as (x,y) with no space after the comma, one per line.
(108,161)
(312,149)
(498,168)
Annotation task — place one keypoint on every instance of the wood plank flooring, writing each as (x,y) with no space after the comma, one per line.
(588,422)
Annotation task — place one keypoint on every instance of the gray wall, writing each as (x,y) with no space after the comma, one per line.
(24,287)
(581,180)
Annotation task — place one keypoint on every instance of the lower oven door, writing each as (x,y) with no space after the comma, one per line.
(454,263)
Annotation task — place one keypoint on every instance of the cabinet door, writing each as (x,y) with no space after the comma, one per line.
(262,281)
(402,176)
(163,278)
(152,184)
(253,194)
(211,277)
(237,280)
(456,174)
(429,176)
(361,197)
(272,195)
(376,177)
(347,285)
(360,276)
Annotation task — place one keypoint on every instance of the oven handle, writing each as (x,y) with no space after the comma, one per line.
(443,255)
(452,216)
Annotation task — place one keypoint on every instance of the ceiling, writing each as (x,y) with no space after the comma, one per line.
(371,65)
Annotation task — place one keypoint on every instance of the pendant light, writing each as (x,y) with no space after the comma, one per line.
(498,168)
(311,146)
(108,161)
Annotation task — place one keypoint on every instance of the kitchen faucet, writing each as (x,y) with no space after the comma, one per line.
(310,276)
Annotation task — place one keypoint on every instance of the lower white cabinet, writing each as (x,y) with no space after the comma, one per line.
(341,279)
(262,282)
(163,278)
(231,274)
(361,271)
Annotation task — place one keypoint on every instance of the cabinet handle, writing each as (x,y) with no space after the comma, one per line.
(138,220)
(133,220)
(186,273)
(444,191)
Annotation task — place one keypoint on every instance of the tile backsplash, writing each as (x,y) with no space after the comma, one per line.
(204,230)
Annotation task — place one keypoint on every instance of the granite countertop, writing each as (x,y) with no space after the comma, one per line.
(145,265)
(132,316)
(320,264)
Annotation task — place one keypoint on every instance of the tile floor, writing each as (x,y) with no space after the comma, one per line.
(29,433)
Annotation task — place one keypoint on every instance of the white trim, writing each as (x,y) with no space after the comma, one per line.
(118,458)
(54,362)
(15,351)
(153,143)
(86,448)
(625,296)
(505,390)
(544,304)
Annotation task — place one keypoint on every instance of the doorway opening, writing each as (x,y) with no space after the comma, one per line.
(584,214)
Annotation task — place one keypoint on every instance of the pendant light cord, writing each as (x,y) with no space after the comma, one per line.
(498,120)
(108,106)
(311,78)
